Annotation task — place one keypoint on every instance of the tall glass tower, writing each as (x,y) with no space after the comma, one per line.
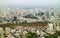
(47,14)
(52,13)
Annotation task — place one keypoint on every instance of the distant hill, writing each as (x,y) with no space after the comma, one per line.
(30,16)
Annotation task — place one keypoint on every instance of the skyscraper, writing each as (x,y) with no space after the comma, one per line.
(47,14)
(52,13)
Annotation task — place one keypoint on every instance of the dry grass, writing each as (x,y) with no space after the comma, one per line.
(36,24)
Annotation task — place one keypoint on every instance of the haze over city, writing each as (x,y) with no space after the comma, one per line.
(30,3)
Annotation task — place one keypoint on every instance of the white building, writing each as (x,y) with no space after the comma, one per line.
(50,26)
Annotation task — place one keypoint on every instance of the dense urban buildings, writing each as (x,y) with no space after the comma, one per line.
(16,23)
(29,14)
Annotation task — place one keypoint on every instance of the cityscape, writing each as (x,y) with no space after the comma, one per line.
(29,21)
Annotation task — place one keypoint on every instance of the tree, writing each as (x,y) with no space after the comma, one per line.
(31,35)
(54,35)
(0,35)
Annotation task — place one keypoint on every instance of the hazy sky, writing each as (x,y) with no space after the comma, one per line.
(31,3)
